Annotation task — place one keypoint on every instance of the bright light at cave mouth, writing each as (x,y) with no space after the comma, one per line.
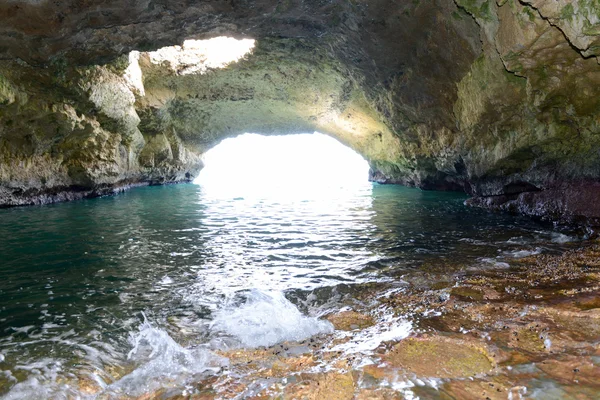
(296,166)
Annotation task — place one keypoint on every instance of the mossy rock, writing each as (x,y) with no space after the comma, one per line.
(441,285)
(467,293)
(440,357)
(477,8)
(331,386)
(528,338)
(7,92)
(350,320)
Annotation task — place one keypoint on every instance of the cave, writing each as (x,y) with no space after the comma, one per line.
(474,96)
(480,124)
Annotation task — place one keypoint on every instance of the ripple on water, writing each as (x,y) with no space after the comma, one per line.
(74,276)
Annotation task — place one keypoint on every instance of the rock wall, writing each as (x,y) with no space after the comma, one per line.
(497,98)
(70,135)
(528,109)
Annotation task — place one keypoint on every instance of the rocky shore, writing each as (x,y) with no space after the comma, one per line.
(522,330)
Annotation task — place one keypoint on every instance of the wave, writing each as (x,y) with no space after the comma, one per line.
(267,318)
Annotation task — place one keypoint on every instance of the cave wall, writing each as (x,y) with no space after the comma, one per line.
(70,134)
(497,98)
(528,109)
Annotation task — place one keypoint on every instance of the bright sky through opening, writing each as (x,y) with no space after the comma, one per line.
(300,166)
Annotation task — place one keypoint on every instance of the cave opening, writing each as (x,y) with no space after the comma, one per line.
(297,166)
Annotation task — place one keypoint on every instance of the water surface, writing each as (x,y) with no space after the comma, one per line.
(150,282)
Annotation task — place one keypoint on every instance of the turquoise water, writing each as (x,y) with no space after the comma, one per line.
(79,279)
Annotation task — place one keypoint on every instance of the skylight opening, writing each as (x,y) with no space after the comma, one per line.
(192,57)
(198,56)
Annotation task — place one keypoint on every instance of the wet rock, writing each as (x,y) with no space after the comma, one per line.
(477,389)
(334,386)
(570,203)
(377,372)
(589,303)
(582,325)
(350,320)
(379,394)
(474,347)
(532,338)
(467,293)
(273,362)
(441,285)
(572,370)
(439,357)
(292,365)
(88,385)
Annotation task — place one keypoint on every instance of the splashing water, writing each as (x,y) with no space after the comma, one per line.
(391,329)
(42,383)
(162,360)
(267,318)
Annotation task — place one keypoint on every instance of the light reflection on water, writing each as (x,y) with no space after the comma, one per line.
(302,243)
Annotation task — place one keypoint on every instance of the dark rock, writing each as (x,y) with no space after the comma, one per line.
(569,203)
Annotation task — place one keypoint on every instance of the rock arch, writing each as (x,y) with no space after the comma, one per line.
(479,95)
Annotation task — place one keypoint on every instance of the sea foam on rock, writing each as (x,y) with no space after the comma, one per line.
(162,360)
(267,318)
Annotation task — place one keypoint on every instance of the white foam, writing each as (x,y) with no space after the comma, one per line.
(267,318)
(369,339)
(525,253)
(518,240)
(22,329)
(404,387)
(50,325)
(162,360)
(561,238)
(495,263)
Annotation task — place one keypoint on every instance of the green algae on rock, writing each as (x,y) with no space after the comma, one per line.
(440,357)
(350,320)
